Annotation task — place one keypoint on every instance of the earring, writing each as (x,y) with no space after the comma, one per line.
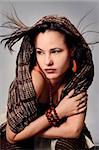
(74,67)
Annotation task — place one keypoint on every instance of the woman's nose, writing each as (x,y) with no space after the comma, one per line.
(48,60)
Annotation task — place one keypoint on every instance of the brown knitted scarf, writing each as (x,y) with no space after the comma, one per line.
(22,102)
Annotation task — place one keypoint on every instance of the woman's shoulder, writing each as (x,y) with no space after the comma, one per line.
(38,81)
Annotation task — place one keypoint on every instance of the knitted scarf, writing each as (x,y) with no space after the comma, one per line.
(22,101)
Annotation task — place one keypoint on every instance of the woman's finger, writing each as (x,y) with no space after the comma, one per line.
(70,94)
(82,109)
(82,100)
(82,105)
(79,96)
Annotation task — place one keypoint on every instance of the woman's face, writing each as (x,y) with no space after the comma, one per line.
(52,54)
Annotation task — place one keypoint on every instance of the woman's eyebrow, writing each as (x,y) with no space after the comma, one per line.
(39,49)
(52,49)
(56,48)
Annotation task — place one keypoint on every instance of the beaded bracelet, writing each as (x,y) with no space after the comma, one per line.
(52,117)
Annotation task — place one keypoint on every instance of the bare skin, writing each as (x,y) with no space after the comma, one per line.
(40,127)
(74,107)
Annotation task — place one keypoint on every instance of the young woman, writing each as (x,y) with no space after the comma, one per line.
(48,100)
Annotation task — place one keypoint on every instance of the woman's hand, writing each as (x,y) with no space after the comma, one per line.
(71,105)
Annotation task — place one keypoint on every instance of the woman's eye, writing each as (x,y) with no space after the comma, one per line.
(39,52)
(56,51)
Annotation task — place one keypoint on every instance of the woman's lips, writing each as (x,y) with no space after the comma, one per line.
(50,70)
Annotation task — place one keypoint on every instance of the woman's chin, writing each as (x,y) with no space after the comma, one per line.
(52,77)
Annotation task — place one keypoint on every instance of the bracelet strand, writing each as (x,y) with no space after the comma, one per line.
(52,117)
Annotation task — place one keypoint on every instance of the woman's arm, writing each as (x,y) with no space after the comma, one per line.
(74,123)
(75,120)
(69,129)
(42,123)
(32,129)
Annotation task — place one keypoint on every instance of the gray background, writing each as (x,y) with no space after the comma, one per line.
(29,12)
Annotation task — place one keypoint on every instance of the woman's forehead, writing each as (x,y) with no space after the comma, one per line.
(49,37)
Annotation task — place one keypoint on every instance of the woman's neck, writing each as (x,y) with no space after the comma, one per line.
(59,81)
(55,88)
